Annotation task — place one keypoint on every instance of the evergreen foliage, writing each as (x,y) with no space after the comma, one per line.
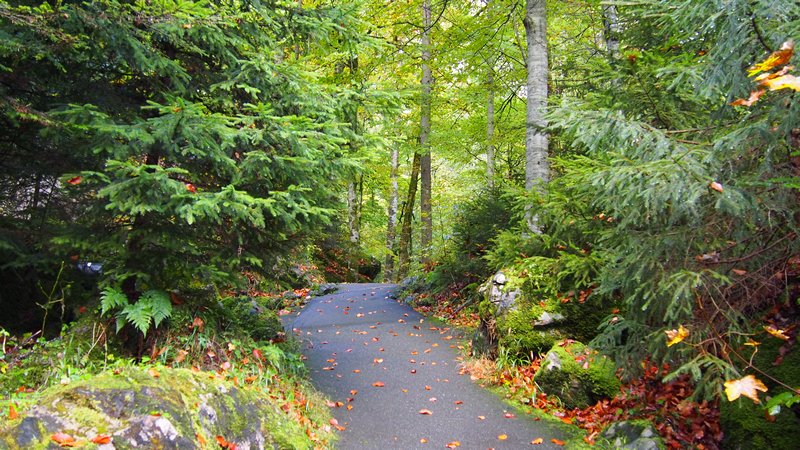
(176,142)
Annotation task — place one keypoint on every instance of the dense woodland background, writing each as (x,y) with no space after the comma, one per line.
(633,162)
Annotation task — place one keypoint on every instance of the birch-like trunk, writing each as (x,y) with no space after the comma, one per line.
(352,212)
(426,182)
(391,227)
(490,130)
(611,30)
(536,139)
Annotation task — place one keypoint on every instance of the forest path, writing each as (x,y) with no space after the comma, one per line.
(385,363)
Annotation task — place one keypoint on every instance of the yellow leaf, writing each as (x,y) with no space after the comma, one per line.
(778,333)
(746,386)
(754,96)
(783,82)
(502,437)
(777,58)
(676,336)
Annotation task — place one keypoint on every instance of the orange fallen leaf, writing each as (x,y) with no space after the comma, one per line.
(356,370)
(747,386)
(200,439)
(754,97)
(153,372)
(427,388)
(502,437)
(426,412)
(101,439)
(537,441)
(458,402)
(379,384)
(423,441)
(191,188)
(716,186)
(12,413)
(453,444)
(481,417)
(353,392)
(676,336)
(180,356)
(557,441)
(778,333)
(62,439)
(783,82)
(777,58)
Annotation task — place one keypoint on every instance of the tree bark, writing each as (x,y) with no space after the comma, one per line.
(611,30)
(424,134)
(353,197)
(352,212)
(391,227)
(408,213)
(490,172)
(536,139)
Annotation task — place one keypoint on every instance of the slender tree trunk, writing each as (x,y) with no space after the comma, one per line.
(611,30)
(536,139)
(353,197)
(408,213)
(425,129)
(352,212)
(391,227)
(490,130)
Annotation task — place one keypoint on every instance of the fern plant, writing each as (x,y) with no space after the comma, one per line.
(152,307)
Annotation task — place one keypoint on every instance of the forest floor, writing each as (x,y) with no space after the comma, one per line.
(395,379)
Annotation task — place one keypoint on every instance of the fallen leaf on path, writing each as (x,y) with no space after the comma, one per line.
(423,441)
(537,441)
(502,437)
(12,413)
(453,444)
(63,439)
(508,415)
(557,441)
(101,439)
(426,412)
(378,384)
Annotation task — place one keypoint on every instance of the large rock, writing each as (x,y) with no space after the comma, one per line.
(495,292)
(635,435)
(577,375)
(179,409)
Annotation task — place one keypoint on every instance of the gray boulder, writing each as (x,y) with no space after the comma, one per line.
(636,435)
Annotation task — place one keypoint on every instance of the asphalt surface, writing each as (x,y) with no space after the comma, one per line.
(394,378)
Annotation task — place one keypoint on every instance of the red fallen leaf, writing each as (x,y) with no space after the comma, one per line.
(508,415)
(458,402)
(101,439)
(557,441)
(378,384)
(62,439)
(12,413)
(426,412)
(190,187)
(75,180)
(198,323)
(537,441)
(413,370)
(257,354)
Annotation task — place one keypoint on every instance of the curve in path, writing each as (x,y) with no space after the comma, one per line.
(395,378)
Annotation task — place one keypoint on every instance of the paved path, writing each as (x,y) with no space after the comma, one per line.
(385,363)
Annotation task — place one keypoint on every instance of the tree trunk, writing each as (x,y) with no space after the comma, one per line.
(391,227)
(536,139)
(424,134)
(611,30)
(490,130)
(408,213)
(352,212)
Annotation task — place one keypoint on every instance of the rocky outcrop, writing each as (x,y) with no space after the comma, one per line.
(577,375)
(172,409)
(634,435)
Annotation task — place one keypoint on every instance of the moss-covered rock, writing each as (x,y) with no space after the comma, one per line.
(178,409)
(745,424)
(254,317)
(577,375)
(634,435)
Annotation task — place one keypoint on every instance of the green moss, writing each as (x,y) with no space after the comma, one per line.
(575,385)
(746,427)
(193,403)
(744,422)
(251,316)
